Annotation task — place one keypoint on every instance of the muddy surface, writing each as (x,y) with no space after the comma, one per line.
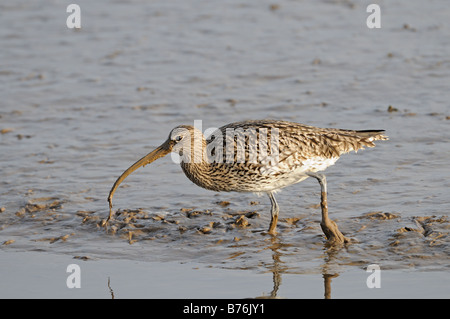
(79,107)
(227,238)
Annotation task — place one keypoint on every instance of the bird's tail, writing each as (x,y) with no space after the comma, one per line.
(372,135)
(350,140)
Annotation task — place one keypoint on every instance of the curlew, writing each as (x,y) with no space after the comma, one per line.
(260,156)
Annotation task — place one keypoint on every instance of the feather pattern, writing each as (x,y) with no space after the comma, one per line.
(266,155)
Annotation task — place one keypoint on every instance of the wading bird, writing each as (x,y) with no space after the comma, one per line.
(260,156)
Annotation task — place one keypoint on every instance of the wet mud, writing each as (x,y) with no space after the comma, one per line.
(227,238)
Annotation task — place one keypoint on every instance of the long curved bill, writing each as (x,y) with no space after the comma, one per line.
(159,152)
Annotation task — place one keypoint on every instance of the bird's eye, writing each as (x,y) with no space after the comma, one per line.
(178,138)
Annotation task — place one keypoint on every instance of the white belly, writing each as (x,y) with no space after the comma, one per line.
(292,176)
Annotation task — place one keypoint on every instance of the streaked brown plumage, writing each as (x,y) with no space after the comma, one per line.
(260,156)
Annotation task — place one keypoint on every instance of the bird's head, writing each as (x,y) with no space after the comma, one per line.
(185,140)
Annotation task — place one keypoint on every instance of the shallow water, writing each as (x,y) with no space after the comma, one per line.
(79,107)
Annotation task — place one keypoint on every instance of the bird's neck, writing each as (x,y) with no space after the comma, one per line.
(196,166)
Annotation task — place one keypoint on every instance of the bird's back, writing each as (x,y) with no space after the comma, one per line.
(301,140)
(265,155)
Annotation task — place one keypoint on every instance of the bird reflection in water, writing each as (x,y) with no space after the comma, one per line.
(278,269)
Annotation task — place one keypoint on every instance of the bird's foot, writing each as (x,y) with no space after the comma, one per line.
(333,234)
(272,233)
(273,225)
(103,223)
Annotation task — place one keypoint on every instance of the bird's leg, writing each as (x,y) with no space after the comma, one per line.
(328,226)
(274,212)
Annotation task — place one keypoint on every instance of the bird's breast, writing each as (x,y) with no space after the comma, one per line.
(244,177)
